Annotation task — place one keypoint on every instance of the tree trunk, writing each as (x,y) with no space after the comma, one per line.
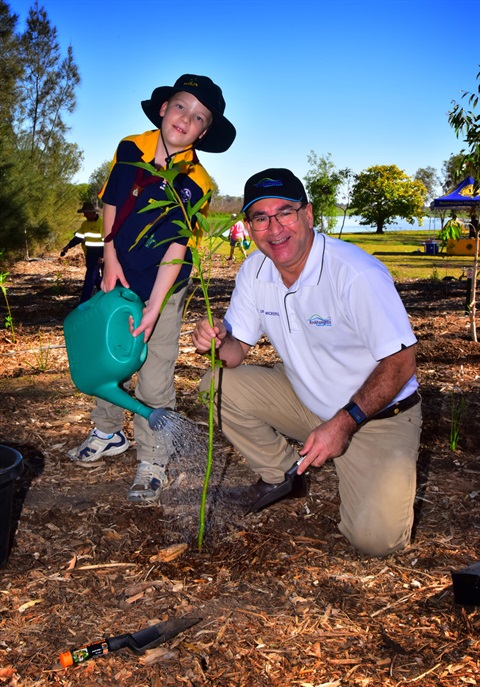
(473,309)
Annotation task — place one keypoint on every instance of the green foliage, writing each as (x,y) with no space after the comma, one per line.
(37,87)
(42,355)
(383,192)
(10,69)
(453,229)
(8,318)
(466,123)
(322,182)
(204,239)
(430,179)
(458,409)
(95,184)
(453,172)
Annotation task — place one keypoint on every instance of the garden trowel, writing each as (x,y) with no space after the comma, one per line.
(280,491)
(138,642)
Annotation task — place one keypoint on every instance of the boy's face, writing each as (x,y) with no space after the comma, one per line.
(185,120)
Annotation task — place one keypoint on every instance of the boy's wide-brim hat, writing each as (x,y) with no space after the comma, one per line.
(273,183)
(221,132)
(88,207)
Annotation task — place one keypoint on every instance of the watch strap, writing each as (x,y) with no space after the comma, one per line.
(356,412)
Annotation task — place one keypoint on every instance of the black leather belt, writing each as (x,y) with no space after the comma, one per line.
(398,407)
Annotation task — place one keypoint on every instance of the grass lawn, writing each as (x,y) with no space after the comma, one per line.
(402,252)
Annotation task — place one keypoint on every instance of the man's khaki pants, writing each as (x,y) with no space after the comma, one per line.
(155,383)
(257,408)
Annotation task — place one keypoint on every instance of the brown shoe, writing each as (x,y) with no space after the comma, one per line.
(262,494)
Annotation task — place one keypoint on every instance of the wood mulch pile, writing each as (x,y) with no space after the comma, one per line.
(282,597)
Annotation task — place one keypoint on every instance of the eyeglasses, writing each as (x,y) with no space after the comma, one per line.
(284,217)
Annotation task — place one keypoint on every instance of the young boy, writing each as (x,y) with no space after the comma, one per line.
(188,116)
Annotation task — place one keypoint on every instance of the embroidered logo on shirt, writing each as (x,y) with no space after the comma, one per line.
(269,312)
(319,321)
(185,195)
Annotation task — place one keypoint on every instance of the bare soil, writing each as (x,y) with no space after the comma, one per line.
(284,599)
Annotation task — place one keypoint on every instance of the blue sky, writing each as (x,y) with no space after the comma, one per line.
(368,81)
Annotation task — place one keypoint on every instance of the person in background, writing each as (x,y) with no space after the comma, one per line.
(90,235)
(238,234)
(346,387)
(473,225)
(147,252)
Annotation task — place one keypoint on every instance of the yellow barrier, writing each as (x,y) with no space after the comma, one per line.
(460,247)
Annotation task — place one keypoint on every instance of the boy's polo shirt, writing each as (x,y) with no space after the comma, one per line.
(144,237)
(331,328)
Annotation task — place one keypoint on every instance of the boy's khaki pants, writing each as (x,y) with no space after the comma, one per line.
(258,408)
(155,383)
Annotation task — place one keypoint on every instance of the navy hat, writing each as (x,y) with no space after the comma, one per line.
(221,133)
(88,208)
(273,183)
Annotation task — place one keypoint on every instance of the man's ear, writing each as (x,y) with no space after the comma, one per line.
(162,110)
(309,212)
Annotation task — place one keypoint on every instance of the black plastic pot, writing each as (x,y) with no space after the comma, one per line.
(11,466)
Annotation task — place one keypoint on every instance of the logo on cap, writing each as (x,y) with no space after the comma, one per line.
(267,182)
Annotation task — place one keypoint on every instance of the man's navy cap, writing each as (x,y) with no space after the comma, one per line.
(273,183)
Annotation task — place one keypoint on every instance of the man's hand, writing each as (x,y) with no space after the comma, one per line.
(204,333)
(328,440)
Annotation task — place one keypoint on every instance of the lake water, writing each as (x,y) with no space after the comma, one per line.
(352,225)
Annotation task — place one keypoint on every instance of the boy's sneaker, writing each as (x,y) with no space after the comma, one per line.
(94,448)
(148,483)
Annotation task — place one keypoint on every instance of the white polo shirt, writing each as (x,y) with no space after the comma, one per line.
(331,328)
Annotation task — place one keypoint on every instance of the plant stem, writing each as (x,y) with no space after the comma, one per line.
(208,469)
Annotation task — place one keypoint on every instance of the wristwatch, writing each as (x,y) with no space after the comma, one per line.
(356,412)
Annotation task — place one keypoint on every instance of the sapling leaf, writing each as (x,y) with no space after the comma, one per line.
(193,226)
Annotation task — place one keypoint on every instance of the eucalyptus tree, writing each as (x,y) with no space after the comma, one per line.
(322,182)
(431,180)
(466,123)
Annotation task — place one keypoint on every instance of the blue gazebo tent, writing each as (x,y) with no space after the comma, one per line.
(462,196)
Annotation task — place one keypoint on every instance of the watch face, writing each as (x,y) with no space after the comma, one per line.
(356,412)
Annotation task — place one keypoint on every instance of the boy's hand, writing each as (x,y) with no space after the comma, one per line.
(112,272)
(204,333)
(147,323)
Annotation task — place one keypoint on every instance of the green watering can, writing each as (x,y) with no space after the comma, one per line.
(102,353)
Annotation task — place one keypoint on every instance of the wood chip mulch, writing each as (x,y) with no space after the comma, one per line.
(283,598)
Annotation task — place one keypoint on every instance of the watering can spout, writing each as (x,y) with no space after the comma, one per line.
(101,350)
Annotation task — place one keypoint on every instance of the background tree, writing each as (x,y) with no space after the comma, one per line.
(453,171)
(13,215)
(431,180)
(383,192)
(89,192)
(37,164)
(344,196)
(10,70)
(466,123)
(322,182)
